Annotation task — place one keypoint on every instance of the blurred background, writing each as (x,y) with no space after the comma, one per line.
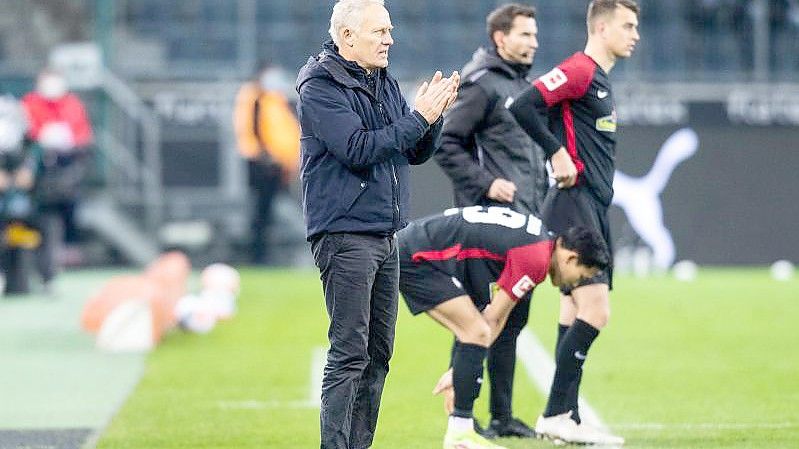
(159,81)
(124,134)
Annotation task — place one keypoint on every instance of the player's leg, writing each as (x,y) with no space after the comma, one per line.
(473,334)
(501,365)
(568,313)
(593,311)
(460,316)
(592,307)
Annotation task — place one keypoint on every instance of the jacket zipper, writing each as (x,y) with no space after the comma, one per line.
(394,180)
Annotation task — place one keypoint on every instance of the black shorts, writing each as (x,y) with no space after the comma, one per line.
(565,208)
(424,286)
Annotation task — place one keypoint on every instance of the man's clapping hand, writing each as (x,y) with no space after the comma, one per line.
(436,95)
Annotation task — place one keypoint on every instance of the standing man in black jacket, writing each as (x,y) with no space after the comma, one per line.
(492,161)
(358,138)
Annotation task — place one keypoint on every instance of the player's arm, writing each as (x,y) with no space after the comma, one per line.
(569,81)
(526,109)
(464,118)
(497,312)
(525,267)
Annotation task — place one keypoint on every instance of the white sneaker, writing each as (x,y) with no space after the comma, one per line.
(563,428)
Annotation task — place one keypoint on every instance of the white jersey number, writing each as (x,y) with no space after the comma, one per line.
(554,79)
(501,216)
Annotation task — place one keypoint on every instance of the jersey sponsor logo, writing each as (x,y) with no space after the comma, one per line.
(554,79)
(602,94)
(524,285)
(607,123)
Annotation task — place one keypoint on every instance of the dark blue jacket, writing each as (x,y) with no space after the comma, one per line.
(356,147)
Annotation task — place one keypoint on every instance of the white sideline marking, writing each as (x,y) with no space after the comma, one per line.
(708,426)
(318,360)
(261,405)
(541,369)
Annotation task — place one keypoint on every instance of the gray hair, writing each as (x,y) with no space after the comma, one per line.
(347,14)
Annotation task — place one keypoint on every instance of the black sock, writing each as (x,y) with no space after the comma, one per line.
(569,360)
(467,373)
(575,386)
(562,328)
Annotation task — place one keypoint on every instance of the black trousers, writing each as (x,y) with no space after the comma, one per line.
(360,278)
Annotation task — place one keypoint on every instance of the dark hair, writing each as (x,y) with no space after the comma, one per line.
(591,249)
(601,7)
(501,19)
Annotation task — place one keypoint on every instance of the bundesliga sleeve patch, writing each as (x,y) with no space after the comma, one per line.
(554,79)
(606,123)
(524,285)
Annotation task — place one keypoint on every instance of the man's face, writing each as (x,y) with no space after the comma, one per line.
(371,39)
(566,271)
(521,41)
(620,32)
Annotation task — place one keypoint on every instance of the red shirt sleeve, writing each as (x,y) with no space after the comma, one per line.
(525,267)
(78,120)
(568,81)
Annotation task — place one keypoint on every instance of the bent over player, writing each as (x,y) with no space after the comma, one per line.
(580,139)
(468,267)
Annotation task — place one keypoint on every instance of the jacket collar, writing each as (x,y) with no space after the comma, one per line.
(343,71)
(487,58)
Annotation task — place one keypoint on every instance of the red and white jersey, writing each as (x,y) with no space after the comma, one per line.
(582,115)
(482,247)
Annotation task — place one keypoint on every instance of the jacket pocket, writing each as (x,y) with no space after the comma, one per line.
(355,192)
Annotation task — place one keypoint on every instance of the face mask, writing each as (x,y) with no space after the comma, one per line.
(52,87)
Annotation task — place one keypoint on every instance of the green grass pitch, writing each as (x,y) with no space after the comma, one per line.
(707,364)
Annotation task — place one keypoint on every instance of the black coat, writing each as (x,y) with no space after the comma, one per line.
(357,142)
(481,140)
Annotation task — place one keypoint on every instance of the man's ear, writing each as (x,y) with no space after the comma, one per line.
(573,257)
(497,37)
(347,36)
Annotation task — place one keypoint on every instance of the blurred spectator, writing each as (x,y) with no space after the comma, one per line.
(724,32)
(784,35)
(60,126)
(17,168)
(268,136)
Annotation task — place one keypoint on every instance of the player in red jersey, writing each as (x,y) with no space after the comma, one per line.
(580,141)
(467,268)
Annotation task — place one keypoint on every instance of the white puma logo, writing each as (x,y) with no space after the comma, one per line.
(601,94)
(640,197)
(579,355)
